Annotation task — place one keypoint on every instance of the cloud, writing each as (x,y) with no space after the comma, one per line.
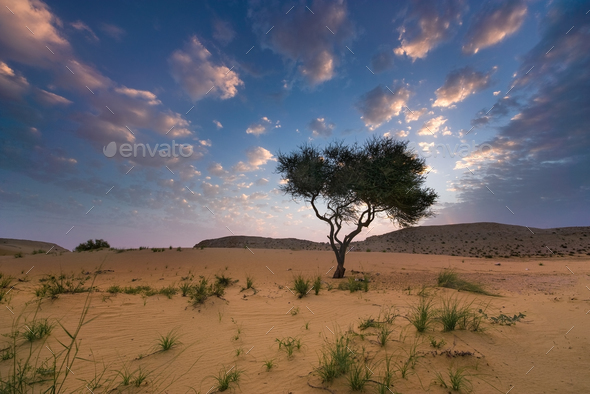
(382,61)
(218,124)
(113,31)
(49,98)
(460,84)
(257,157)
(319,127)
(433,126)
(13,86)
(303,38)
(428,24)
(18,44)
(261,182)
(414,114)
(493,23)
(193,69)
(261,126)
(223,32)
(149,97)
(539,159)
(81,26)
(379,105)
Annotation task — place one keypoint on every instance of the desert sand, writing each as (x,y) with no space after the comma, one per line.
(546,352)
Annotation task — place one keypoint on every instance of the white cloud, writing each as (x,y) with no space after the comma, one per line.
(433,126)
(414,114)
(112,30)
(193,69)
(257,157)
(428,24)
(494,23)
(460,84)
(49,98)
(379,105)
(261,126)
(319,127)
(149,97)
(218,124)
(303,40)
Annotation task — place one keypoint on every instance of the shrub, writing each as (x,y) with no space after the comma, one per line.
(336,359)
(452,312)
(92,245)
(37,330)
(450,279)
(301,286)
(422,315)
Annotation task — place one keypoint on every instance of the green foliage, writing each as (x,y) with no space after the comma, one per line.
(156,250)
(168,341)
(249,282)
(358,376)
(185,288)
(336,359)
(452,312)
(52,286)
(38,329)
(383,334)
(458,380)
(355,284)
(18,255)
(269,364)
(225,378)
(92,245)
(436,344)
(357,183)
(301,286)
(199,292)
(422,315)
(317,284)
(289,344)
(450,279)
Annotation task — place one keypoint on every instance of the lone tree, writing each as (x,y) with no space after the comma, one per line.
(357,183)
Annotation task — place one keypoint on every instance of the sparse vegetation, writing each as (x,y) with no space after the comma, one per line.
(301,286)
(38,329)
(269,364)
(458,380)
(289,344)
(422,315)
(336,359)
(355,284)
(225,378)
(52,286)
(436,344)
(317,284)
(168,341)
(451,280)
(452,312)
(92,245)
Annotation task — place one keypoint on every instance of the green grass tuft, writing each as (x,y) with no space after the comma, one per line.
(422,315)
(301,286)
(451,280)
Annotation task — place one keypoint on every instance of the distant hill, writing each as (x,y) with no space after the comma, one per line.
(468,239)
(9,246)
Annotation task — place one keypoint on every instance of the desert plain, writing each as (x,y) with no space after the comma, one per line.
(546,351)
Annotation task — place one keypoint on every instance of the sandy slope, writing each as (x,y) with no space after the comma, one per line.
(9,246)
(126,326)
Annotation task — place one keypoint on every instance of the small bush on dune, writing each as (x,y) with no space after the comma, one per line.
(355,284)
(450,279)
(301,286)
(92,245)
(335,360)
(37,330)
(317,284)
(452,313)
(52,286)
(225,378)
(422,315)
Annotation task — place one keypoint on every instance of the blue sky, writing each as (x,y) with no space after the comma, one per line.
(494,95)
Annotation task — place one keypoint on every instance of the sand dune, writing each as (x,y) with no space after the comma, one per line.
(126,326)
(10,246)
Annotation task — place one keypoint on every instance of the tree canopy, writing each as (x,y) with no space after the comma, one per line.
(356,183)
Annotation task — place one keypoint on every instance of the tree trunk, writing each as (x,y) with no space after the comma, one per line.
(339,273)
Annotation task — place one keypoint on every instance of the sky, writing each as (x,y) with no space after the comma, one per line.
(152,124)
